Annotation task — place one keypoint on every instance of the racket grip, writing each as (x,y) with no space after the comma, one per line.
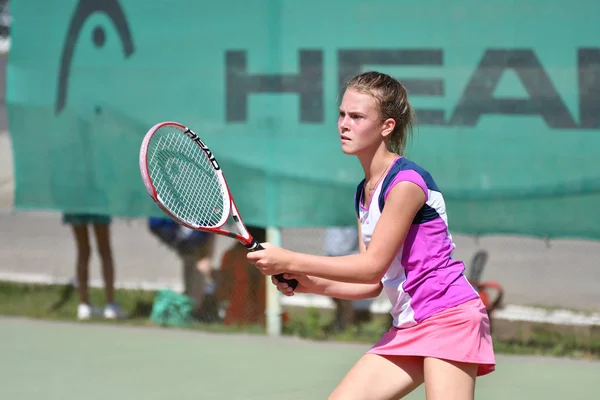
(255,246)
(291,282)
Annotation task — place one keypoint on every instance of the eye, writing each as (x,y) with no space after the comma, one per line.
(341,114)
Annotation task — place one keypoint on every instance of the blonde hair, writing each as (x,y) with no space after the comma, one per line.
(392,102)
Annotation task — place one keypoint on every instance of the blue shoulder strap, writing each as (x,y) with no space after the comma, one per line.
(397,167)
(358,196)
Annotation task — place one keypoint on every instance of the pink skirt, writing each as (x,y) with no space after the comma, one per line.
(460,334)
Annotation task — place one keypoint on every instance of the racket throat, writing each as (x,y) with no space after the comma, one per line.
(254,245)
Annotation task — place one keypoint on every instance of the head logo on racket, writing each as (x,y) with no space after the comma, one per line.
(204,148)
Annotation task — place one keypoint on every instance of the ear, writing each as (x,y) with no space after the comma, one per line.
(388,127)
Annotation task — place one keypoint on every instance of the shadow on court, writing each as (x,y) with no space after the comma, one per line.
(49,360)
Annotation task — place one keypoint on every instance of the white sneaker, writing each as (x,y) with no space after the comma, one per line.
(113,311)
(85,312)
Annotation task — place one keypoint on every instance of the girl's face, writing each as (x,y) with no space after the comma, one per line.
(359,123)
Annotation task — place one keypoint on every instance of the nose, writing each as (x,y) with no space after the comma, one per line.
(343,123)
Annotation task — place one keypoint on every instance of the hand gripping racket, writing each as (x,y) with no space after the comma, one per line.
(185,180)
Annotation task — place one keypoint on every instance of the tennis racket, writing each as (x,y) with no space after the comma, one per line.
(185,180)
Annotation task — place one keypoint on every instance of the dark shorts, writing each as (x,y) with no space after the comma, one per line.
(83,219)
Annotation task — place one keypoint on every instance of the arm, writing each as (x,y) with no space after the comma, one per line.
(351,291)
(329,288)
(205,255)
(403,202)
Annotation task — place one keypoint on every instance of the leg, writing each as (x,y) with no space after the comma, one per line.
(449,380)
(376,377)
(200,284)
(80,233)
(102,233)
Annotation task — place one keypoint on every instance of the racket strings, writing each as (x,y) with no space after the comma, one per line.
(185,180)
(207,188)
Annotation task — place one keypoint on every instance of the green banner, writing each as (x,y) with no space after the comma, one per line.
(507,97)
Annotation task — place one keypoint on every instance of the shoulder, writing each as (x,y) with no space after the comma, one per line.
(404,167)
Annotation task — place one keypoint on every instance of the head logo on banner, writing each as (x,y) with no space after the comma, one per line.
(508,112)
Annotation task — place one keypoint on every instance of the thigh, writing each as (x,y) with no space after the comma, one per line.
(376,377)
(449,380)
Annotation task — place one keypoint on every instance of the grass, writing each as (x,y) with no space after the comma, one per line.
(44,301)
(58,302)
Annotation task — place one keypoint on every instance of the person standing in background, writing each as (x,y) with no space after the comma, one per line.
(343,241)
(100,224)
(195,248)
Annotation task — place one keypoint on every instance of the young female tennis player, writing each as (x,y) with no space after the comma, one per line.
(440,334)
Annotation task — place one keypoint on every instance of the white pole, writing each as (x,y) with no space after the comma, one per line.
(273,311)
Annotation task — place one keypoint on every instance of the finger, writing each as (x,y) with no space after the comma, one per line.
(282,285)
(276,282)
(253,256)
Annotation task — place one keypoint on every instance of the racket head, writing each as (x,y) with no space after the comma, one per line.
(185,180)
(183,177)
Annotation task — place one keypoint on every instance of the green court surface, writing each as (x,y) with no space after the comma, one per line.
(48,360)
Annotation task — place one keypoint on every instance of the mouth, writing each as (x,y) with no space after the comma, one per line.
(344,137)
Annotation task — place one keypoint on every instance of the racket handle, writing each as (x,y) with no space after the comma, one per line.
(255,246)
(291,282)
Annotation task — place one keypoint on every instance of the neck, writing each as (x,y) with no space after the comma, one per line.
(376,162)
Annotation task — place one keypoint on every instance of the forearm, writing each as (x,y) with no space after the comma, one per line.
(356,268)
(346,291)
